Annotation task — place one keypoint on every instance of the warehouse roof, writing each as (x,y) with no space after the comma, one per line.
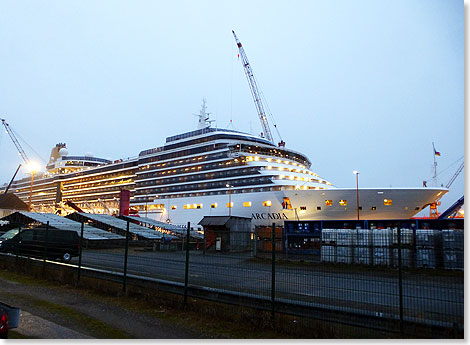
(58,222)
(174,229)
(105,220)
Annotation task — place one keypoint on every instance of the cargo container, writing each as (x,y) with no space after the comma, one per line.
(328,253)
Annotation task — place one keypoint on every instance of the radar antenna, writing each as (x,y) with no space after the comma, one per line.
(256,94)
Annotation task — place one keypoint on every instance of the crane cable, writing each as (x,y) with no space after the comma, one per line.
(24,142)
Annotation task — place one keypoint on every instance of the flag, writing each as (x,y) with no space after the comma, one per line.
(437,153)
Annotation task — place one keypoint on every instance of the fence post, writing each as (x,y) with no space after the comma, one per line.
(186,270)
(46,239)
(273,270)
(80,254)
(400,281)
(125,259)
(255,243)
(19,243)
(204,244)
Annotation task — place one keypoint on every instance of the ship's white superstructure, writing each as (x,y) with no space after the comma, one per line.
(223,172)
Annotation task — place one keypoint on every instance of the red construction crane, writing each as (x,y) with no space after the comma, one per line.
(256,94)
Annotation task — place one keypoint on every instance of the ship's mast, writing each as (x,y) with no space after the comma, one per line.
(254,91)
(203,121)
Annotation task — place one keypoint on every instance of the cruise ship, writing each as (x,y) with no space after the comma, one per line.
(212,172)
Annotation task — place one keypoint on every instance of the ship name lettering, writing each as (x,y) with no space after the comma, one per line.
(272,215)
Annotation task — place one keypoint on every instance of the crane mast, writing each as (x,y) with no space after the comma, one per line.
(254,91)
(15,141)
(455,175)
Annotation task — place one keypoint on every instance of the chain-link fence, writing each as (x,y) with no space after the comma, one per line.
(367,277)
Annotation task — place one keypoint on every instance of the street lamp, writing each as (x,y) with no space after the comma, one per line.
(229,199)
(355,172)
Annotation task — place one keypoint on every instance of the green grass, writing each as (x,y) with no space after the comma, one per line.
(97,328)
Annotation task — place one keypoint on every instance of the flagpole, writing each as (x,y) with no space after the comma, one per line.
(434,178)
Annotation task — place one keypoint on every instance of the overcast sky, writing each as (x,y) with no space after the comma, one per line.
(355,85)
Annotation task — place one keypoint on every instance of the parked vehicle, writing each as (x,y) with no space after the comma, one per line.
(39,242)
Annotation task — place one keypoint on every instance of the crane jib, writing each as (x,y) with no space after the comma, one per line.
(255,93)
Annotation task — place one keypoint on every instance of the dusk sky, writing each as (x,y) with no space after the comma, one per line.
(355,85)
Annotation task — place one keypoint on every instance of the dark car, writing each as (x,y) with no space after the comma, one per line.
(39,242)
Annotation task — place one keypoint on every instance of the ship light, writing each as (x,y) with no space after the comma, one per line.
(269,159)
(256,158)
(269,167)
(291,177)
(305,187)
(279,161)
(287,162)
(280,168)
(267,203)
(281,176)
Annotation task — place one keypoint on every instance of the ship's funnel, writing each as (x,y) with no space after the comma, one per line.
(59,150)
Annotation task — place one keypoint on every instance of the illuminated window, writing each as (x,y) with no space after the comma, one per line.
(230,204)
(192,206)
(160,206)
(343,202)
(173,207)
(373,208)
(267,203)
(387,202)
(247,204)
(329,202)
(214,205)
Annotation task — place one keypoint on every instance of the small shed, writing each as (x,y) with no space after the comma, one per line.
(227,233)
(10,203)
